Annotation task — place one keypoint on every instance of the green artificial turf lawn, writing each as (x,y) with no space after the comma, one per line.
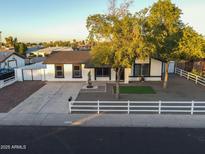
(136,90)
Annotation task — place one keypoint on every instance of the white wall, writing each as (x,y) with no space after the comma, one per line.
(155,70)
(68,73)
(127,74)
(156,67)
(30,72)
(68,76)
(18,74)
(102,78)
(27,74)
(142,61)
(146,79)
(48,73)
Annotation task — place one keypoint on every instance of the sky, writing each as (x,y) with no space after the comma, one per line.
(50,20)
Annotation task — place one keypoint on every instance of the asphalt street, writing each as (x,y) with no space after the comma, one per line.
(103,140)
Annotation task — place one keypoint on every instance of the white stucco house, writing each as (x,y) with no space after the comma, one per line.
(11,59)
(75,65)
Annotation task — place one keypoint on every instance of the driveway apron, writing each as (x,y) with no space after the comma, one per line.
(52,98)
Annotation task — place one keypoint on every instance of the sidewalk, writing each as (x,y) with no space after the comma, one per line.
(106,120)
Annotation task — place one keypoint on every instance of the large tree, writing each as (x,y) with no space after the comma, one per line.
(191,45)
(21,48)
(118,38)
(169,35)
(10,41)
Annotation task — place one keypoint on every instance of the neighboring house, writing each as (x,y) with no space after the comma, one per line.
(75,65)
(34,60)
(37,60)
(43,52)
(33,50)
(11,59)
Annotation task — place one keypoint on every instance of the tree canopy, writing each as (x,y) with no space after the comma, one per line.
(10,41)
(164,29)
(191,45)
(171,38)
(19,47)
(120,34)
(118,37)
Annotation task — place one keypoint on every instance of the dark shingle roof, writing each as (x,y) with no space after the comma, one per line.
(6,54)
(68,57)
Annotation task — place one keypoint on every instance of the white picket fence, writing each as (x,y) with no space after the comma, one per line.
(129,107)
(7,82)
(190,76)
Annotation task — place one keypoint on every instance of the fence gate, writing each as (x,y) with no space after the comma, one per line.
(32,74)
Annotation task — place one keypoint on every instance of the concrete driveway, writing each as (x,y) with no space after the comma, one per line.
(52,98)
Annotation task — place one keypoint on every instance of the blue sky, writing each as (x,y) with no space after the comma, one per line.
(46,20)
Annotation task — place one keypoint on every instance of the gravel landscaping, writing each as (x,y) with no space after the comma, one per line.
(14,94)
(179,89)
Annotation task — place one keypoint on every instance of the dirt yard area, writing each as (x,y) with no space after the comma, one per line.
(14,94)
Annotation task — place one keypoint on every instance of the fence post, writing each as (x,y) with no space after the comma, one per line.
(98,107)
(1,84)
(160,105)
(128,107)
(192,107)
(70,103)
(196,79)
(188,76)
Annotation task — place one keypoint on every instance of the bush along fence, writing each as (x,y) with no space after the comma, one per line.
(190,76)
(133,107)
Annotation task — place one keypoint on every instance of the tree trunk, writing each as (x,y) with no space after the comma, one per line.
(118,84)
(166,77)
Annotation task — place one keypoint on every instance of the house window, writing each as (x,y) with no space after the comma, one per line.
(102,72)
(59,71)
(141,69)
(77,71)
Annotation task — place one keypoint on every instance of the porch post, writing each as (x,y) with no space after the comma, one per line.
(127,74)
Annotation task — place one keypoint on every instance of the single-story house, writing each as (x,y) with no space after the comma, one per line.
(75,65)
(11,59)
